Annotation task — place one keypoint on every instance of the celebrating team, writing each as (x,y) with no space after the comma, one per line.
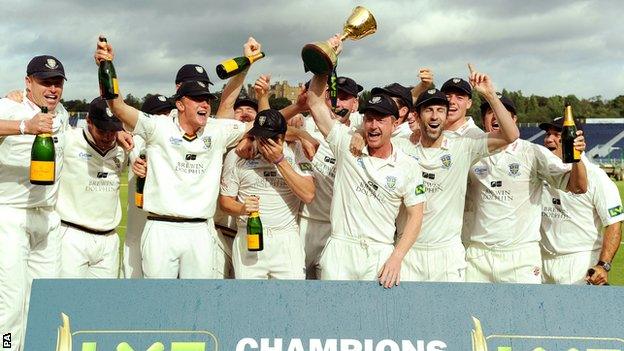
(411,189)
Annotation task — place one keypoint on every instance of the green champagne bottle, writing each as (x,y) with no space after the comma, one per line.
(568,134)
(138,193)
(109,88)
(232,67)
(255,240)
(43,159)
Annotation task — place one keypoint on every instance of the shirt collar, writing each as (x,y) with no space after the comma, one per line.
(391,160)
(513,148)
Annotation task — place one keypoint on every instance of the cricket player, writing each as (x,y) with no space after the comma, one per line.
(368,191)
(275,182)
(402,96)
(88,200)
(572,225)
(29,230)
(185,152)
(157,105)
(506,190)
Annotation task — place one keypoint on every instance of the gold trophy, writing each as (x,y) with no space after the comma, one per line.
(320,57)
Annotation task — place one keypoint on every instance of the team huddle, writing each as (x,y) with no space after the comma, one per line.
(403,188)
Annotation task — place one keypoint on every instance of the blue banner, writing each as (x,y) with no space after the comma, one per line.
(234,315)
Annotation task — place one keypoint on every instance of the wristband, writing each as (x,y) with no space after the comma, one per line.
(22,127)
(279,160)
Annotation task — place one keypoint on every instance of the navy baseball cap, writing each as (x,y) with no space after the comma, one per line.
(430,97)
(157,104)
(396,90)
(192,72)
(381,103)
(457,84)
(193,88)
(45,66)
(349,86)
(102,117)
(246,102)
(509,105)
(268,124)
(557,124)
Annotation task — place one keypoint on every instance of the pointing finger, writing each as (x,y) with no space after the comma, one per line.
(471,68)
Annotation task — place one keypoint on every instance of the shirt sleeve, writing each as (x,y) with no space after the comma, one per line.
(550,168)
(146,126)
(138,149)
(302,165)
(229,178)
(233,131)
(478,147)
(607,200)
(339,138)
(414,192)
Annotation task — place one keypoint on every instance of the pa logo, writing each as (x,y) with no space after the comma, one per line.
(201,84)
(456,80)
(431,91)
(162,98)
(199,69)
(446,161)
(51,63)
(514,169)
(391,182)
(207,142)
(375,100)
(261,120)
(109,113)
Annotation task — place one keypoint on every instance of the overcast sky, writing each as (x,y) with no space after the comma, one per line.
(540,47)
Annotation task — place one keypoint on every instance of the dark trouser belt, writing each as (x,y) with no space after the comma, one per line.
(155,217)
(226,231)
(88,230)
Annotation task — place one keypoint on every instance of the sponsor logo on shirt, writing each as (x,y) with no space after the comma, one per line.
(251,164)
(324,168)
(102,175)
(330,160)
(615,211)
(446,161)
(368,188)
(270,173)
(190,157)
(432,187)
(496,183)
(420,189)
(428,175)
(175,141)
(480,171)
(514,169)
(360,162)
(555,213)
(84,155)
(305,166)
(391,182)
(497,194)
(556,201)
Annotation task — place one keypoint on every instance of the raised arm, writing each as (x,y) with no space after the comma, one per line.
(578,182)
(262,87)
(508,132)
(426,80)
(234,85)
(126,113)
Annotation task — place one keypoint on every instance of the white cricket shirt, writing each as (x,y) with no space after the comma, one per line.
(183,175)
(89,187)
(368,191)
(279,206)
(15,187)
(506,191)
(573,222)
(444,171)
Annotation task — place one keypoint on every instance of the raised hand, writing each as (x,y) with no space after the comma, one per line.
(262,86)
(481,82)
(251,47)
(103,52)
(251,204)
(41,123)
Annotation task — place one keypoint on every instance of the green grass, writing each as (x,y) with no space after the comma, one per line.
(616,277)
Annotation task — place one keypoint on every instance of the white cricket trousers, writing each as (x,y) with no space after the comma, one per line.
(182,250)
(569,268)
(347,258)
(87,255)
(514,264)
(435,263)
(281,258)
(30,248)
(132,265)
(314,235)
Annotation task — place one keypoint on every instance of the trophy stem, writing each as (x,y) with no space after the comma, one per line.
(344,36)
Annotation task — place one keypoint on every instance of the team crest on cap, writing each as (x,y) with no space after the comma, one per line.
(446,161)
(431,91)
(391,182)
(375,99)
(199,69)
(514,169)
(499,95)
(201,84)
(51,63)
(162,98)
(456,80)
(109,113)
(207,142)
(261,120)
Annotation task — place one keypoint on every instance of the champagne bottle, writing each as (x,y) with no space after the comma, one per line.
(109,88)
(232,67)
(568,134)
(43,158)
(255,240)
(138,193)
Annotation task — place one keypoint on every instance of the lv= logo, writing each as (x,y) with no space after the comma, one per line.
(511,342)
(127,340)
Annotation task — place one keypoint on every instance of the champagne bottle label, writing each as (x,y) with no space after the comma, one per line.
(253,241)
(138,200)
(115,86)
(42,171)
(229,65)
